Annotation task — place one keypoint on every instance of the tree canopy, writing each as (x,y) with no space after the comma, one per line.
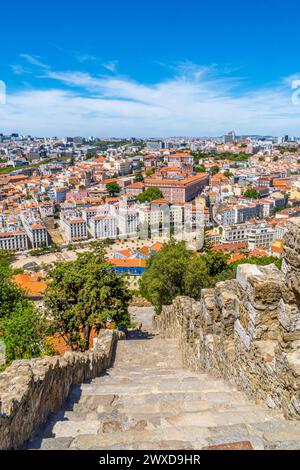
(175,270)
(252,193)
(113,188)
(139,177)
(151,194)
(22,327)
(200,168)
(85,293)
(150,171)
(214,170)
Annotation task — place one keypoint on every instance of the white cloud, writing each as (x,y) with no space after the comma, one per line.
(86,58)
(111,65)
(195,101)
(19,69)
(34,60)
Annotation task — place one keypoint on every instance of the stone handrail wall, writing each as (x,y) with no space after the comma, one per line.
(32,389)
(247,330)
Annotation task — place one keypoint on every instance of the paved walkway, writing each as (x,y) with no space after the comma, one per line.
(148,401)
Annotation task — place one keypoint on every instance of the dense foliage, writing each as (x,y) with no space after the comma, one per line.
(150,171)
(177,271)
(214,170)
(139,178)
(200,168)
(151,194)
(252,193)
(234,157)
(22,328)
(23,333)
(113,188)
(84,293)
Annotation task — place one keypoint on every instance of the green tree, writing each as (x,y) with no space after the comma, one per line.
(216,262)
(196,277)
(252,193)
(11,296)
(178,271)
(260,261)
(90,155)
(139,178)
(200,168)
(113,188)
(84,293)
(214,170)
(228,173)
(150,194)
(21,327)
(23,333)
(150,171)
(164,278)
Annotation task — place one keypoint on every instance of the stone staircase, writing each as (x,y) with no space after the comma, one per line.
(148,401)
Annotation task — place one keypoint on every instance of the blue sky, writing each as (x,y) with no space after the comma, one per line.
(141,68)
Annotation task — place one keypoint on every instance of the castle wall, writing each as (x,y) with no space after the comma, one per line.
(247,330)
(32,389)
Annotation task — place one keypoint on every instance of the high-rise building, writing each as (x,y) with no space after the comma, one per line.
(154,145)
(229,138)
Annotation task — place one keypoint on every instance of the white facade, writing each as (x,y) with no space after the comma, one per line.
(261,236)
(14,241)
(128,220)
(75,229)
(103,226)
(235,233)
(93,211)
(36,231)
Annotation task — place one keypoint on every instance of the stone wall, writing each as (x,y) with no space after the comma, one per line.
(247,330)
(32,389)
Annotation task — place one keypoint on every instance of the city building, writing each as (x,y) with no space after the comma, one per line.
(75,228)
(103,226)
(14,240)
(179,190)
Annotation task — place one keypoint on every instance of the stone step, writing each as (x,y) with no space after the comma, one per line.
(127,422)
(161,401)
(116,381)
(188,437)
(148,401)
(126,388)
(157,415)
(160,407)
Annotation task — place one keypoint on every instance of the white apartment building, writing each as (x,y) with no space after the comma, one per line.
(14,241)
(38,235)
(261,236)
(46,209)
(75,228)
(35,230)
(128,220)
(234,233)
(280,231)
(93,211)
(124,167)
(103,226)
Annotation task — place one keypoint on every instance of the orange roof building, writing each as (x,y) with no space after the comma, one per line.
(33,284)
